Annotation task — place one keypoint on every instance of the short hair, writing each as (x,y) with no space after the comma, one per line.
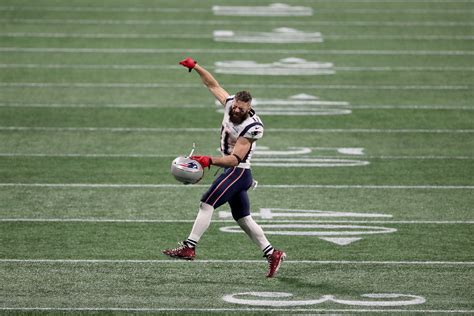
(243,96)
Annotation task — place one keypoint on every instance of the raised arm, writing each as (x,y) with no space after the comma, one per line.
(207,79)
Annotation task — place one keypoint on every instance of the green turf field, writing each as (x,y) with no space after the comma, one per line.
(366,175)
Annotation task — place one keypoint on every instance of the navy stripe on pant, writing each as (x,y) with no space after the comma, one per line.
(231,186)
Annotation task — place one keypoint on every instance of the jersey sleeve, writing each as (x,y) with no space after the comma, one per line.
(253,131)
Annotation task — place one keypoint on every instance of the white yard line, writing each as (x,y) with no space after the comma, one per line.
(165,261)
(119,9)
(204,36)
(414,157)
(202,130)
(91,155)
(92,85)
(99,220)
(166,67)
(167,105)
(433,37)
(409,107)
(91,50)
(78,155)
(94,67)
(107,129)
(315,186)
(110,35)
(409,69)
(208,10)
(262,186)
(388,1)
(233,310)
(402,24)
(143,105)
(110,85)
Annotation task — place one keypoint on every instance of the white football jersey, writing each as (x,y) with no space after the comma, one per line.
(251,128)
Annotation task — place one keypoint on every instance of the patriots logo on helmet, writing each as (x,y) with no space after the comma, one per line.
(191,165)
(186,170)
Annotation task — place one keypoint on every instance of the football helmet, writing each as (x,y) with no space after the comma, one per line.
(186,170)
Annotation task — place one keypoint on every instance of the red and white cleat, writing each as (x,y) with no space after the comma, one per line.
(182,252)
(274,262)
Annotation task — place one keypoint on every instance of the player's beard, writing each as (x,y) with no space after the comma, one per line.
(237,118)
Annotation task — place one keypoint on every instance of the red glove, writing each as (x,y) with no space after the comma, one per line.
(204,161)
(188,63)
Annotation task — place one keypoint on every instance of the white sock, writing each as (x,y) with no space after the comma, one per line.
(255,232)
(201,223)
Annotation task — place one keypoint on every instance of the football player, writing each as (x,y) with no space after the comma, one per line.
(240,130)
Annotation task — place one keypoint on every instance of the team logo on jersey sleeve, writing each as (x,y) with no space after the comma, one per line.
(256,131)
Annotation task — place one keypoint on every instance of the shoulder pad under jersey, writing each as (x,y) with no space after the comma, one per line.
(253,131)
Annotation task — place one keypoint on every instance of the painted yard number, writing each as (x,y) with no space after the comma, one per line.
(290,66)
(340,234)
(301,104)
(304,157)
(273,299)
(274,9)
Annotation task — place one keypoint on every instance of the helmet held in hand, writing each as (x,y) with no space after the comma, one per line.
(186,170)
